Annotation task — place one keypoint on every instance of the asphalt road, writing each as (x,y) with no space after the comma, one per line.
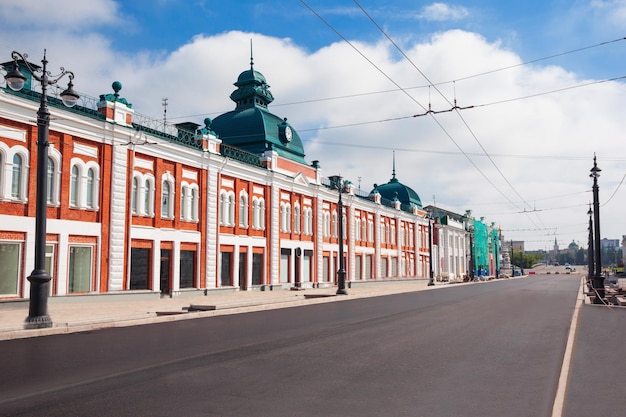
(487,349)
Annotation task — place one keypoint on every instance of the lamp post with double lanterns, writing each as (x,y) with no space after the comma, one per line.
(598,278)
(337,183)
(39,279)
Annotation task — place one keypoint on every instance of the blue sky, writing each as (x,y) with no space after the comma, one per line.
(520,157)
(534,29)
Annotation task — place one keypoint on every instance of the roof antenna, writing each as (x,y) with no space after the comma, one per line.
(393,173)
(251,55)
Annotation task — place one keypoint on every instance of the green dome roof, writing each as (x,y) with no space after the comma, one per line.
(251,75)
(251,126)
(394,189)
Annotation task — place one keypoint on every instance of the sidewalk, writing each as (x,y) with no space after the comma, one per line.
(82,314)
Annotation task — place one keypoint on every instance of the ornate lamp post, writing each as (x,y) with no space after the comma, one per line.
(590,260)
(431,273)
(39,278)
(338,184)
(598,278)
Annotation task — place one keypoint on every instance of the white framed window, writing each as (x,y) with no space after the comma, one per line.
(227,208)
(326,224)
(167,196)
(285,217)
(308,221)
(334,225)
(297,218)
(80,268)
(91,194)
(357,229)
(53,177)
(195,201)
(84,184)
(13,172)
(258,213)
(189,202)
(243,209)
(74,185)
(18,177)
(10,258)
(134,195)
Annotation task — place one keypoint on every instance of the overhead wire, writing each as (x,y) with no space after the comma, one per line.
(410,97)
(447,100)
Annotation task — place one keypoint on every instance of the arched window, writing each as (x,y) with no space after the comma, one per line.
(326,226)
(243,209)
(194,204)
(184,202)
(285,218)
(296,219)
(261,214)
(133,196)
(50,183)
(231,208)
(334,225)
(91,189)
(74,183)
(308,221)
(147,198)
(16,179)
(364,232)
(165,200)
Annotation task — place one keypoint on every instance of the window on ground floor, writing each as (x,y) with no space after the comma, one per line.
(140,268)
(226,269)
(80,269)
(383,267)
(368,266)
(285,254)
(9,268)
(326,268)
(187,268)
(257,268)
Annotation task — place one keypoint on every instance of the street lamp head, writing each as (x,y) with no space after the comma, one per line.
(595,171)
(15,79)
(336,182)
(69,97)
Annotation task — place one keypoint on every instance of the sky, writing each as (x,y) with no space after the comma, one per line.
(522,94)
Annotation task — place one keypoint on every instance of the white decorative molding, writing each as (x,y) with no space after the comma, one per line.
(257,190)
(81,149)
(228,183)
(190,175)
(11,133)
(144,163)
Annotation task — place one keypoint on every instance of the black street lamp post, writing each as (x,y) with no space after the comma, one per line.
(39,278)
(337,183)
(590,260)
(431,273)
(598,278)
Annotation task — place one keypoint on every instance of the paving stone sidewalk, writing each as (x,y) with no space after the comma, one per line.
(77,314)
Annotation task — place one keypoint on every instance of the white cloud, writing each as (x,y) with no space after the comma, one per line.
(443,12)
